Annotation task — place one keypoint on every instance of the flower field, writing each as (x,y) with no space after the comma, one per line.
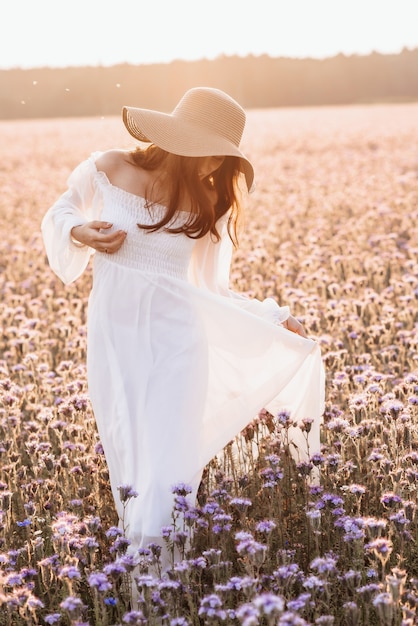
(331,230)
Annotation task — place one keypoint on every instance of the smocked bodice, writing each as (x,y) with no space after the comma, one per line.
(162,252)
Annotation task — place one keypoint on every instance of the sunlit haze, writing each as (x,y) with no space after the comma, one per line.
(59,33)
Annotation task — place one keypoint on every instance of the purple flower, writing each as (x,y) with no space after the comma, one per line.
(210,508)
(115,569)
(26,522)
(368,590)
(13,579)
(29,507)
(211,608)
(52,618)
(314,517)
(99,581)
(269,604)
(325,565)
(317,459)
(155,549)
(114,531)
(389,499)
(313,582)
(392,407)
(198,563)
(111,601)
(212,556)
(134,618)
(356,489)
(333,460)
(331,499)
(236,583)
(222,523)
(98,448)
(181,503)
(34,603)
(72,605)
(242,504)
(247,545)
(304,468)
(181,489)
(126,492)
(285,572)
(375,455)
(399,519)
(354,528)
(180,537)
(93,523)
(273,459)
(76,502)
(307,424)
(380,547)
(146,580)
(248,615)
(90,542)
(265,526)
(284,419)
(28,572)
(375,526)
(69,571)
(166,532)
(128,561)
(338,425)
(168,585)
(120,544)
(298,603)
(271,477)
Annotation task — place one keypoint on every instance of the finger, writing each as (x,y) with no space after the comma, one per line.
(102,241)
(109,247)
(98,225)
(109,238)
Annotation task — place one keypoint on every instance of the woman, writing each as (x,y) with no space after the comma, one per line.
(177,363)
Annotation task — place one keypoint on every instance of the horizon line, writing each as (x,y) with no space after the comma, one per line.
(209,59)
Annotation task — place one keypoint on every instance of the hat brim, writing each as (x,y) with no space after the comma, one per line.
(181,137)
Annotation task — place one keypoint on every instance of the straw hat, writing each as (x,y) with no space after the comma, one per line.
(205,122)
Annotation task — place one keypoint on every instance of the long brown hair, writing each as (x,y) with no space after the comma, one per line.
(182,176)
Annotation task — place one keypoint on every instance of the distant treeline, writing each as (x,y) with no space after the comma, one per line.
(255,81)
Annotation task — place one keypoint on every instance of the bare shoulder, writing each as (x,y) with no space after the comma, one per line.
(111,161)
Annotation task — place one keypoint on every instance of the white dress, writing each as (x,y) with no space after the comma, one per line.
(178,364)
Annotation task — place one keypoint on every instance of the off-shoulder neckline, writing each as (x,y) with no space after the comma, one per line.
(103,176)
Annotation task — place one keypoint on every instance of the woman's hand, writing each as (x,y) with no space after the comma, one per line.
(94,234)
(294,326)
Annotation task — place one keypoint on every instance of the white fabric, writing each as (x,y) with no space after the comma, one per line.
(178,364)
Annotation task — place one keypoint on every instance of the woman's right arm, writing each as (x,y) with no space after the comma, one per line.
(67,257)
(71,228)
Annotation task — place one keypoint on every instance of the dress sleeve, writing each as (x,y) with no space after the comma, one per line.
(81,203)
(210,267)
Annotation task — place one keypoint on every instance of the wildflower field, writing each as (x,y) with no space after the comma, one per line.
(331,230)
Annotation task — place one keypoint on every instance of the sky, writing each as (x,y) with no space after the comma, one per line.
(62,33)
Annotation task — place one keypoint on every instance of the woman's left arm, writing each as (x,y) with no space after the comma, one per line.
(210,267)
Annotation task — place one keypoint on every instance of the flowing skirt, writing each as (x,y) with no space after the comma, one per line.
(175,373)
